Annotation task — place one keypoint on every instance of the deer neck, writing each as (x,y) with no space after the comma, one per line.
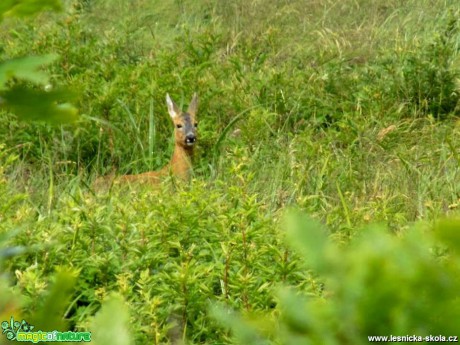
(181,162)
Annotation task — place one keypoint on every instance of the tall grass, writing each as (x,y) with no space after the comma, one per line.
(347,110)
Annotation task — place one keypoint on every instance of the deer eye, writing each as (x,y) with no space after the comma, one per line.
(196,125)
(179,126)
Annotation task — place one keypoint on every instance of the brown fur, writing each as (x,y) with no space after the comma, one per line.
(180,165)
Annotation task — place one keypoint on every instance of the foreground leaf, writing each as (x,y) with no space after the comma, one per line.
(24,8)
(26,68)
(110,326)
(51,314)
(37,105)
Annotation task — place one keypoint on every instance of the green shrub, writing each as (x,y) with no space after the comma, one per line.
(325,106)
(167,254)
(428,73)
(380,285)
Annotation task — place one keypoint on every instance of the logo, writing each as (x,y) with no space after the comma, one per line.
(22,331)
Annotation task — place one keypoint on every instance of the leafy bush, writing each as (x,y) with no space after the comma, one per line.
(429,74)
(167,256)
(380,285)
(325,106)
(32,103)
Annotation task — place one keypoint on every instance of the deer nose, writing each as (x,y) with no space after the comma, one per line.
(190,139)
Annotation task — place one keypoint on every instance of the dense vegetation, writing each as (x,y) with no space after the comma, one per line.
(344,110)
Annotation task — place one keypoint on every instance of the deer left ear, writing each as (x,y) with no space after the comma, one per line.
(193,106)
(173,109)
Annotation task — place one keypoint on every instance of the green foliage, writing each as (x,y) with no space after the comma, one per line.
(111,323)
(369,289)
(49,315)
(166,261)
(9,198)
(26,68)
(29,103)
(290,80)
(25,8)
(429,77)
(33,104)
(346,110)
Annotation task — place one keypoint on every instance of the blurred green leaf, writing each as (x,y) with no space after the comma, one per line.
(9,305)
(24,8)
(305,320)
(11,251)
(26,68)
(8,251)
(29,104)
(378,284)
(111,324)
(243,331)
(37,105)
(307,236)
(295,316)
(50,316)
(448,231)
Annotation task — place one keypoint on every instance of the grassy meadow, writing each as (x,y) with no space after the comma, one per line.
(345,111)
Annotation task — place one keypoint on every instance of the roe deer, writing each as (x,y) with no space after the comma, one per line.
(185,136)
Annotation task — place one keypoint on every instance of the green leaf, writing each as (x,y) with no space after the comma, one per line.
(448,231)
(9,302)
(243,331)
(50,316)
(111,324)
(308,237)
(295,315)
(26,68)
(37,105)
(23,8)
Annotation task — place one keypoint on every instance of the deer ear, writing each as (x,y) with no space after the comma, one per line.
(193,106)
(173,109)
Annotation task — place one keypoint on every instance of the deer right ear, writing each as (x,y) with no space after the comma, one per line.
(173,109)
(192,108)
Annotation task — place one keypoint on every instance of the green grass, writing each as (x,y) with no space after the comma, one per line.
(346,110)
